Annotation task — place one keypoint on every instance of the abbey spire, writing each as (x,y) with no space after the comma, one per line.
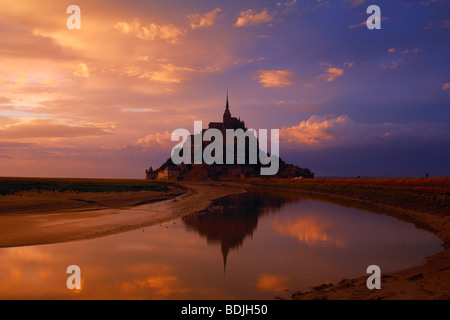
(227,113)
(227,106)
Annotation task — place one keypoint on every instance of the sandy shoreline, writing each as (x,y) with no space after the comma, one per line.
(26,223)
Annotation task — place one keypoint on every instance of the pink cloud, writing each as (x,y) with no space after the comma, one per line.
(330,131)
(274,78)
(46,128)
(331,75)
(250,17)
(203,20)
(150,31)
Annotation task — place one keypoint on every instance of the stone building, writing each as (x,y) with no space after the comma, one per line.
(233,123)
(168,173)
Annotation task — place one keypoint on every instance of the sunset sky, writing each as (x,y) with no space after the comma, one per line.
(102,101)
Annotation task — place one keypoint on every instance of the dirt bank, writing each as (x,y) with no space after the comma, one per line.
(49,217)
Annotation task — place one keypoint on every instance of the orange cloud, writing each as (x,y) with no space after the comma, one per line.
(446,86)
(162,139)
(203,20)
(274,78)
(315,130)
(332,131)
(46,128)
(307,230)
(331,75)
(272,283)
(4,100)
(167,73)
(164,285)
(82,70)
(151,31)
(250,17)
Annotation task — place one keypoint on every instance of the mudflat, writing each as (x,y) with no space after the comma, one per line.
(39,216)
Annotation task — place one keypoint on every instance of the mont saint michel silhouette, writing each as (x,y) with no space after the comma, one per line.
(222,172)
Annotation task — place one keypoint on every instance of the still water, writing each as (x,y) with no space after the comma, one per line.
(249,246)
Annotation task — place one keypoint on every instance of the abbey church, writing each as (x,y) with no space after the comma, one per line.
(228,121)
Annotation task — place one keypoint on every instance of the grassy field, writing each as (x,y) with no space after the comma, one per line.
(418,194)
(17,185)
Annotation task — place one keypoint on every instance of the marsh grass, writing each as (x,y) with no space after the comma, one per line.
(17,185)
(419,194)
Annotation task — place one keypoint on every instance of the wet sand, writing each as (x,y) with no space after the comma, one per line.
(33,218)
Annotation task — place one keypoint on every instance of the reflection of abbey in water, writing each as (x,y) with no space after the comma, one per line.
(170,171)
(232,219)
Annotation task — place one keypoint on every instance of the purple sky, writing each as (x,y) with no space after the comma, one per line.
(102,101)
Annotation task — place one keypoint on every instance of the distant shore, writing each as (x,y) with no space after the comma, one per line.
(43,211)
(422,201)
(49,195)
